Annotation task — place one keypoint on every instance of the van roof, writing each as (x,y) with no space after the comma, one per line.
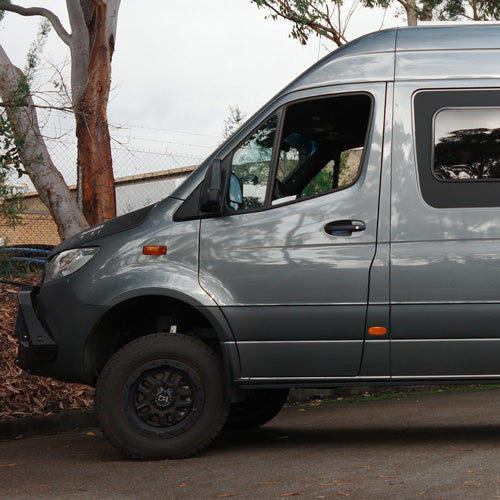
(461,51)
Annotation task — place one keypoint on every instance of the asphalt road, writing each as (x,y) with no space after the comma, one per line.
(438,446)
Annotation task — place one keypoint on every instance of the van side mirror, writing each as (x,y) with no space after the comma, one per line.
(211,191)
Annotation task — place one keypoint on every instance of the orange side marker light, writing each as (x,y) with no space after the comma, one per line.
(377,330)
(154,250)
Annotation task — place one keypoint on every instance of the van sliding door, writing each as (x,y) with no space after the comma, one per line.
(445,257)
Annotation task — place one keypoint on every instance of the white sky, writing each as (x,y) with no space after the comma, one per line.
(178,65)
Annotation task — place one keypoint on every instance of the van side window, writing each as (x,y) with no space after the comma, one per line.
(250,168)
(322,146)
(467,144)
(457,136)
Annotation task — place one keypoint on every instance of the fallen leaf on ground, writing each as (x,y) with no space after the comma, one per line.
(335,483)
(472,483)
(24,395)
(293,494)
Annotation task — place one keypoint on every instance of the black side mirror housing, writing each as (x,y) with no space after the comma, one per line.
(211,191)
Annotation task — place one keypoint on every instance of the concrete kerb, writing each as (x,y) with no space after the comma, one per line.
(80,419)
(47,424)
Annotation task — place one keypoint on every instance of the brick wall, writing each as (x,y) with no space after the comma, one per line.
(35,228)
(132,192)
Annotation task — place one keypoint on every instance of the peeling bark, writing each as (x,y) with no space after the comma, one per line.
(91,42)
(94,149)
(35,157)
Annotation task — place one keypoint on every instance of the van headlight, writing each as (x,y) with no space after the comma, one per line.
(68,262)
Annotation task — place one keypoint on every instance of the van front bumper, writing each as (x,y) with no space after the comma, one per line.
(35,346)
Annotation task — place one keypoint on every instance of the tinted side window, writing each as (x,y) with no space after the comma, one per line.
(467,144)
(457,139)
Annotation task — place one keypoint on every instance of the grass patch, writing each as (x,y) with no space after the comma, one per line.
(399,395)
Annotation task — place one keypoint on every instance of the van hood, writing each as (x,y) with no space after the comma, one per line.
(112,226)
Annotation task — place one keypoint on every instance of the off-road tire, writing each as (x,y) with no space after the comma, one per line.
(162,396)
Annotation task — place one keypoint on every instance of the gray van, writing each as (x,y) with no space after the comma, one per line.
(348,233)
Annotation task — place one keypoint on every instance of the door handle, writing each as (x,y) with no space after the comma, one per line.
(344,227)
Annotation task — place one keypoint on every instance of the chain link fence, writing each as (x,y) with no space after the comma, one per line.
(142,177)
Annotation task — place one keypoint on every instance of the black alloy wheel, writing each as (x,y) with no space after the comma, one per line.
(162,396)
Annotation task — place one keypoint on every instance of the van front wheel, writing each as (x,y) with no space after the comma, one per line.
(162,396)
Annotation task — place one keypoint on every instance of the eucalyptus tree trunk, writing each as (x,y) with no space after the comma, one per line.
(36,159)
(91,43)
(414,14)
(91,54)
(411,9)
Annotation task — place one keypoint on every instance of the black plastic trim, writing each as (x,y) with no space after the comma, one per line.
(445,321)
(296,322)
(36,347)
(190,209)
(305,383)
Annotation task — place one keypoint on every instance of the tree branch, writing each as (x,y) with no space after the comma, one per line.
(329,32)
(39,11)
(37,106)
